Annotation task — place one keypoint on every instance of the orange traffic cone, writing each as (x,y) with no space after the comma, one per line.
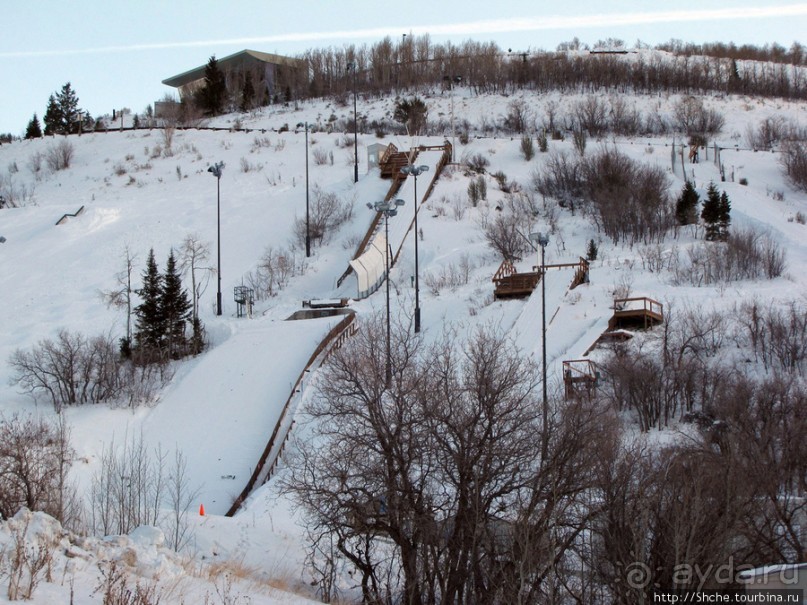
(201,510)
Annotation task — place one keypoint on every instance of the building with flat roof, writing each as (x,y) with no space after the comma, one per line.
(272,75)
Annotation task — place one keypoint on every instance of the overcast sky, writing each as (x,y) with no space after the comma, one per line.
(116,53)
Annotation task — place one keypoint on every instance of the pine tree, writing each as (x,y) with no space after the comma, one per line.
(214,91)
(34,130)
(53,117)
(724,217)
(149,322)
(174,306)
(711,213)
(592,250)
(68,106)
(686,207)
(247,93)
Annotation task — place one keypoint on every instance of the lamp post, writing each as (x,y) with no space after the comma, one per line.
(216,169)
(352,66)
(307,227)
(388,209)
(542,239)
(451,81)
(416,171)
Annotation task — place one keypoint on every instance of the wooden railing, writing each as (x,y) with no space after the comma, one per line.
(651,312)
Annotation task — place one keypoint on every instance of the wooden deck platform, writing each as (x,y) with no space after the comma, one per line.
(638,313)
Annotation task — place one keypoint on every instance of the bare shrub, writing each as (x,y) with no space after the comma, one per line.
(527,148)
(30,559)
(519,118)
(767,133)
(35,163)
(60,155)
(777,335)
(451,276)
(794,161)
(746,254)
(591,115)
(560,178)
(631,200)
(693,118)
(114,587)
(69,370)
(327,212)
(477,163)
(168,133)
(35,456)
(320,156)
(75,370)
(275,268)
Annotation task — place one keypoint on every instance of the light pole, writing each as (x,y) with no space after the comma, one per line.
(388,209)
(542,239)
(416,171)
(307,228)
(451,81)
(352,66)
(216,169)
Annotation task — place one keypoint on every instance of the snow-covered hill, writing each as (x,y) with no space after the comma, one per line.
(219,408)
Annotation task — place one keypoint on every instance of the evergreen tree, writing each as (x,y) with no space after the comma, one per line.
(174,306)
(247,93)
(592,250)
(412,113)
(53,117)
(686,207)
(33,131)
(724,217)
(68,106)
(214,91)
(149,320)
(711,213)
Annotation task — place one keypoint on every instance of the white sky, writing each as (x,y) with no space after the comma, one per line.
(116,53)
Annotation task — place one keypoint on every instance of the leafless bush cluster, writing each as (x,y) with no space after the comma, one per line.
(591,114)
(477,163)
(520,117)
(630,201)
(746,254)
(35,456)
(327,212)
(75,370)
(451,276)
(507,232)
(693,118)
(60,155)
(661,387)
(275,268)
(794,161)
(115,589)
(135,486)
(447,483)
(15,194)
(777,335)
(561,178)
(322,157)
(767,133)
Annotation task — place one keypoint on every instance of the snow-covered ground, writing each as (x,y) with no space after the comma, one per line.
(220,408)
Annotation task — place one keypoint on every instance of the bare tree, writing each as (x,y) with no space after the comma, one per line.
(35,457)
(440,475)
(121,296)
(193,256)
